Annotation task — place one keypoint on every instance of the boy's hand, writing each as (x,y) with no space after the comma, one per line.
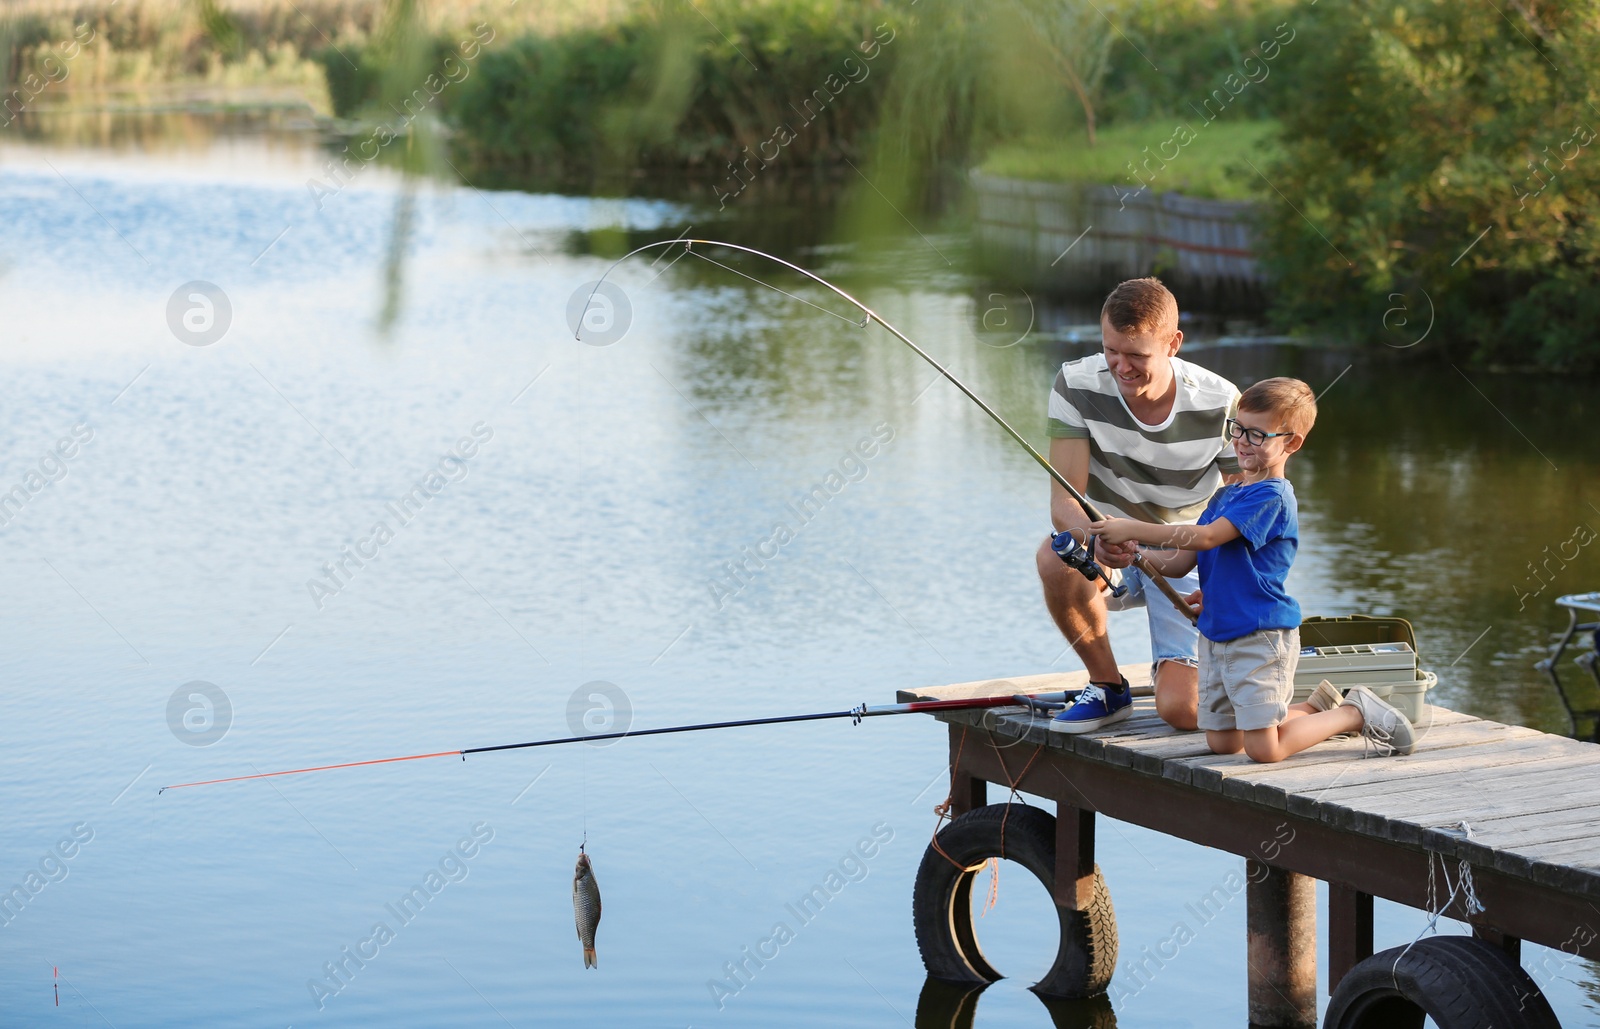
(1196,601)
(1115,530)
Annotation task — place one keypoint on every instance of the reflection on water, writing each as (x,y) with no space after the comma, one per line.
(137,125)
(943,1005)
(1578,699)
(581,544)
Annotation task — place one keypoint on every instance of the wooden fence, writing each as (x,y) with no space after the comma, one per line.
(1067,238)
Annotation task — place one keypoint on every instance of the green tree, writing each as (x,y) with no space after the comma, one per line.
(1440,161)
(1076,36)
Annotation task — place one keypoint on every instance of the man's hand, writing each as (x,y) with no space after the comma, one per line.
(1115,555)
(1196,601)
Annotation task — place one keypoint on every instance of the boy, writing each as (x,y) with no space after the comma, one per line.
(1244,543)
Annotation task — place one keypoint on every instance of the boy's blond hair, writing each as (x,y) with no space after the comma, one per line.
(1141,307)
(1291,400)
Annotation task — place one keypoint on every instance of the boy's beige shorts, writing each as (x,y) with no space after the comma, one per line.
(1247,683)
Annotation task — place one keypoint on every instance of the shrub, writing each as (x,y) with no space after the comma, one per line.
(1441,154)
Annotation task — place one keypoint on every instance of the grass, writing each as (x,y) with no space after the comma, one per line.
(229,44)
(1210,164)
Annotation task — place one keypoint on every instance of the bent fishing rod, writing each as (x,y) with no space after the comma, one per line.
(1033,702)
(1075,554)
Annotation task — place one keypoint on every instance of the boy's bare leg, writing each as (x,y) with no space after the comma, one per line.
(1299,731)
(1079,612)
(1178,695)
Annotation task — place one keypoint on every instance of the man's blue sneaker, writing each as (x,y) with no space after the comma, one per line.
(1100,704)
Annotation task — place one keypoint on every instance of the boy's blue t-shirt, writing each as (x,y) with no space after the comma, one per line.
(1243,580)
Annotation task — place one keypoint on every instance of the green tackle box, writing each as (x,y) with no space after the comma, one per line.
(1363,650)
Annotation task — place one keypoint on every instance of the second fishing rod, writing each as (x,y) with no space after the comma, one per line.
(1076,553)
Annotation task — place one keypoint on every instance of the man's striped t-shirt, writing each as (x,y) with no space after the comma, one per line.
(1156,473)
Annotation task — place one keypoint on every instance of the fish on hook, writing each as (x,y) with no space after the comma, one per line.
(586,908)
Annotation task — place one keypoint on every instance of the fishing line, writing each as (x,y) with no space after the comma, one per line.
(1093,513)
(860,325)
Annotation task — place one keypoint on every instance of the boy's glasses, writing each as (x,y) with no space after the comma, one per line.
(1254,437)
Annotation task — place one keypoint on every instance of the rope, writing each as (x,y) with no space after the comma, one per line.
(1463,887)
(943,810)
(994,888)
(1012,783)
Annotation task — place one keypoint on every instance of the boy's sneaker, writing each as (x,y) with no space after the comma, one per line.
(1100,704)
(1325,697)
(1381,722)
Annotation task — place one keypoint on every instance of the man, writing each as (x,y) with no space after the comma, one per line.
(1142,435)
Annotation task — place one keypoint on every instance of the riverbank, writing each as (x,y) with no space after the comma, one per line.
(1207,160)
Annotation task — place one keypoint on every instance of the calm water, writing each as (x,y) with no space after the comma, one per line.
(580,537)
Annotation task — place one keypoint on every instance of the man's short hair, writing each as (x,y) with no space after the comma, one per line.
(1290,400)
(1141,307)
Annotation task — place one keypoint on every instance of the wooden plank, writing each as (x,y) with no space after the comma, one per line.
(1470,787)
(1312,765)
(1444,771)
(1156,756)
(1207,771)
(1527,839)
(1539,813)
(1581,853)
(1407,818)
(1465,734)
(1168,746)
(1311,779)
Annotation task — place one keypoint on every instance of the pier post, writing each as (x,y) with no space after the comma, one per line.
(1349,930)
(1506,942)
(1074,885)
(1281,919)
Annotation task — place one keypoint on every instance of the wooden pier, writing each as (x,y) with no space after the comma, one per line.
(1520,807)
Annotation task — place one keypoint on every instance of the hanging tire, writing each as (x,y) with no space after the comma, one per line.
(1458,981)
(941,903)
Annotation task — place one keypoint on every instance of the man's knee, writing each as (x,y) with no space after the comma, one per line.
(1061,581)
(1178,695)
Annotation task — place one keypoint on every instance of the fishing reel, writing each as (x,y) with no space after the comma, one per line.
(1081,556)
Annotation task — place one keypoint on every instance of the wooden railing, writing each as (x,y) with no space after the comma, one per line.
(1077,238)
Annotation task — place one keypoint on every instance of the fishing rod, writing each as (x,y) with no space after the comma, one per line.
(1066,546)
(855,714)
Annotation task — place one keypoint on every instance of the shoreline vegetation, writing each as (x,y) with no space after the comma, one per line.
(1407,156)
(1174,155)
